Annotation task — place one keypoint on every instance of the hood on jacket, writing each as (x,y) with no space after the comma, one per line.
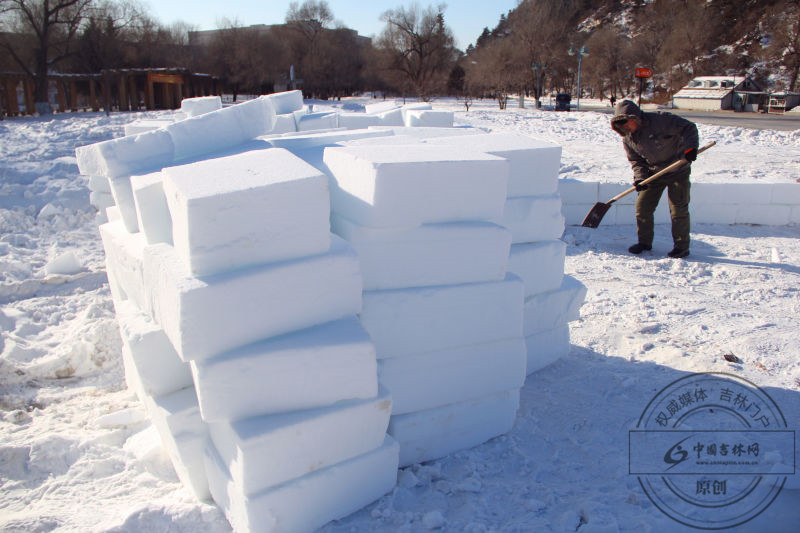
(624,111)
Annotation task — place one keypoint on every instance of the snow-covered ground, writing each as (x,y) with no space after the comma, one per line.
(77,453)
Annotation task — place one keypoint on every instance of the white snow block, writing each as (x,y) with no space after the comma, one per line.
(607,191)
(265,451)
(126,155)
(283,124)
(552,309)
(382,106)
(315,367)
(124,261)
(711,213)
(286,102)
(205,317)
(251,208)
(533,164)
(429,133)
(579,192)
(303,141)
(764,214)
(158,367)
(123,199)
(112,214)
(152,212)
(623,214)
(317,121)
(307,503)
(431,119)
(200,105)
(101,200)
(575,213)
(731,193)
(98,184)
(794,216)
(454,375)
(413,321)
(540,265)
(431,254)
(392,117)
(387,140)
(132,379)
(353,121)
(434,433)
(221,129)
(381,186)
(184,435)
(546,347)
(533,218)
(141,126)
(419,106)
(785,194)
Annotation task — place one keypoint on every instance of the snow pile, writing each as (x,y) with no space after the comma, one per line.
(237,306)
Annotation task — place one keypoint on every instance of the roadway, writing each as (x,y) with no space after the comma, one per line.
(750,120)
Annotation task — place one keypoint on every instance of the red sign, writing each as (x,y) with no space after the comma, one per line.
(643,73)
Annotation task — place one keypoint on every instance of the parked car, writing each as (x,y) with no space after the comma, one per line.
(562,101)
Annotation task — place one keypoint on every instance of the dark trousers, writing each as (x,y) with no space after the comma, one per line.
(678,195)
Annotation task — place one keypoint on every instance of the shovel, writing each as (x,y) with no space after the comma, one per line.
(599,210)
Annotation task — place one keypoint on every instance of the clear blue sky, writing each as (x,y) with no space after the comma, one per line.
(466,18)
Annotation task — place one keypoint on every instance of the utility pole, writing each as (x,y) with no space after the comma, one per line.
(580,53)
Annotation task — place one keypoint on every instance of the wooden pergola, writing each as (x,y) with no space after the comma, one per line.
(111,90)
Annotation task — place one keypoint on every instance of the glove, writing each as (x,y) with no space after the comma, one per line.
(638,185)
(690,154)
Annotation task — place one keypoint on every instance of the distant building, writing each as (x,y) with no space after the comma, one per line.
(712,93)
(206,37)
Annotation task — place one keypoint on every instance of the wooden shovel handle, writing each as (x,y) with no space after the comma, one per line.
(677,164)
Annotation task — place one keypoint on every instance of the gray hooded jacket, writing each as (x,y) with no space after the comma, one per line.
(661,139)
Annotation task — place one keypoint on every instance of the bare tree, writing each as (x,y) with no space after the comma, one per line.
(309,18)
(541,29)
(418,47)
(611,67)
(492,70)
(107,32)
(52,26)
(784,47)
(694,27)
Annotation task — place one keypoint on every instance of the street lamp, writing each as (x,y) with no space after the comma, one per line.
(538,68)
(582,52)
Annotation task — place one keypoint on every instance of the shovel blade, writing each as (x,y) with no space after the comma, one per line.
(597,213)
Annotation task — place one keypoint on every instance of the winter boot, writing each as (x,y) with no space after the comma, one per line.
(677,253)
(640,247)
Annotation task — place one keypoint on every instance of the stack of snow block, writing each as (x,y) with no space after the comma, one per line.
(283,364)
(241,338)
(533,215)
(285,104)
(261,299)
(445,317)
